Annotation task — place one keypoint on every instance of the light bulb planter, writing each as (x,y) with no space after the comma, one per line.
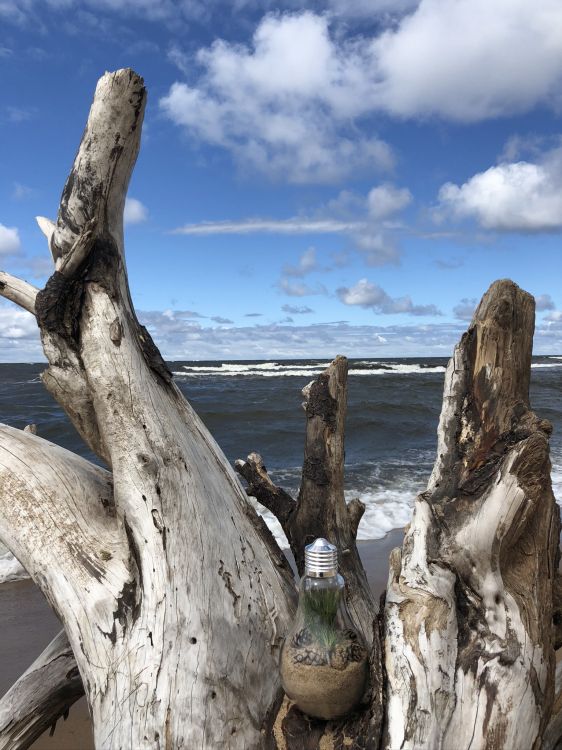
(324,660)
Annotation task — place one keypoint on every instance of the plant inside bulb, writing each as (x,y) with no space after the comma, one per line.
(324,661)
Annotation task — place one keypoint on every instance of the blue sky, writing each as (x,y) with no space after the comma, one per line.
(346,176)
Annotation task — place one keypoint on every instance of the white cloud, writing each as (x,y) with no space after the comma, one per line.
(18,115)
(371,296)
(376,247)
(385,200)
(292,225)
(544,302)
(297,309)
(285,105)
(299,288)
(178,58)
(184,339)
(299,102)
(20,192)
(465,309)
(519,196)
(471,59)
(362,218)
(10,243)
(19,335)
(307,263)
(135,211)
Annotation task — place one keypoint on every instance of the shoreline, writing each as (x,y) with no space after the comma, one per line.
(28,625)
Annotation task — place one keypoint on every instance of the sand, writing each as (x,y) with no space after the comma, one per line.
(323,691)
(27,625)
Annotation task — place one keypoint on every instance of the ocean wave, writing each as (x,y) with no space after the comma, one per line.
(262,367)
(253,373)
(274,370)
(386,508)
(10,568)
(542,365)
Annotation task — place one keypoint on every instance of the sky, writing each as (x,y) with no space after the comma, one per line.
(338,177)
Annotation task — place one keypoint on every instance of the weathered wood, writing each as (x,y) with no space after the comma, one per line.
(469,604)
(260,486)
(169,657)
(43,694)
(321,511)
(173,593)
(18,291)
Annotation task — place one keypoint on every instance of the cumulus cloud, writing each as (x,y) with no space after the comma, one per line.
(465,309)
(284,104)
(386,200)
(518,196)
(299,288)
(371,296)
(307,263)
(376,247)
(297,309)
(544,302)
(471,59)
(10,243)
(135,211)
(178,58)
(299,102)
(185,339)
(19,335)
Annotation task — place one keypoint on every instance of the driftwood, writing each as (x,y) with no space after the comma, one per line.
(41,695)
(172,592)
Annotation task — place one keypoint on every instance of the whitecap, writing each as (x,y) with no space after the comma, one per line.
(10,568)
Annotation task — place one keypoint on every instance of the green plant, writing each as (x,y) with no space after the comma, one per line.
(320,607)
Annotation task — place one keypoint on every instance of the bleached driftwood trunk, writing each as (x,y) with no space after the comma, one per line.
(168,585)
(469,605)
(43,693)
(172,592)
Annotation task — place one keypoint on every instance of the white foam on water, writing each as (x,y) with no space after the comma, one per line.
(10,568)
(542,365)
(298,373)
(389,369)
(276,369)
(385,509)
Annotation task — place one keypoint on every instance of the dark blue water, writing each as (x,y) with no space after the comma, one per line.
(393,410)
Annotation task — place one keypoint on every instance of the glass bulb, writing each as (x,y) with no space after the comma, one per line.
(324,659)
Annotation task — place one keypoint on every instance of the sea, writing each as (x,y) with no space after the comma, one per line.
(393,411)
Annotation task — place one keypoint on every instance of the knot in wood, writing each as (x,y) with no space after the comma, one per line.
(320,403)
(57,307)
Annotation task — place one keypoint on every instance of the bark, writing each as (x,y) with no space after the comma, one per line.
(468,620)
(174,595)
(43,694)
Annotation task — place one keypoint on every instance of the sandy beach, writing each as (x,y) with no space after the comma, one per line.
(28,624)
